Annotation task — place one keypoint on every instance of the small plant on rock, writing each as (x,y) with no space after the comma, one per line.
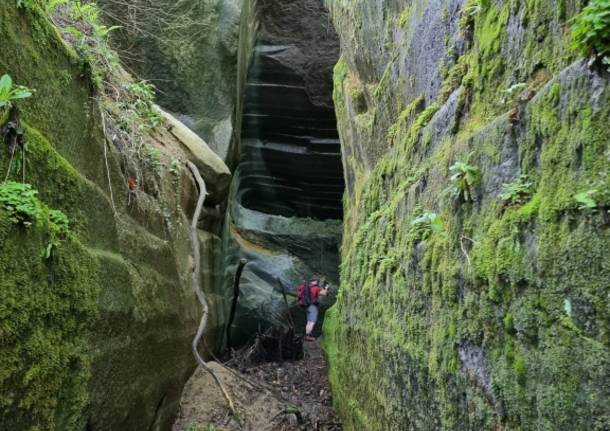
(175,167)
(518,192)
(152,157)
(9,92)
(143,103)
(426,225)
(464,178)
(586,200)
(59,226)
(21,202)
(591,32)
(471,9)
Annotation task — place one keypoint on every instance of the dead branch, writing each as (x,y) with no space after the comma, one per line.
(240,268)
(107,142)
(197,284)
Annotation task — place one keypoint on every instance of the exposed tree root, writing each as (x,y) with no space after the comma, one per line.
(197,284)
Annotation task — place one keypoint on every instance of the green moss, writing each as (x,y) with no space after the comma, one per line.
(48,305)
(520,370)
(403,20)
(500,277)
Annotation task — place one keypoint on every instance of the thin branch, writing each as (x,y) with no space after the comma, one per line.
(197,284)
(240,268)
(106,143)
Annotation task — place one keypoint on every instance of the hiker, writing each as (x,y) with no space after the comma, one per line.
(307,297)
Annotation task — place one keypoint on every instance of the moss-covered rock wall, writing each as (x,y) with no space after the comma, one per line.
(95,331)
(472,298)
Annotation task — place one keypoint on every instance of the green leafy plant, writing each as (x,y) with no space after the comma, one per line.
(586,200)
(464,178)
(426,225)
(591,32)
(9,92)
(175,167)
(143,103)
(518,192)
(59,226)
(21,202)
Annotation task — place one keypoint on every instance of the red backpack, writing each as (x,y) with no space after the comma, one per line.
(304,295)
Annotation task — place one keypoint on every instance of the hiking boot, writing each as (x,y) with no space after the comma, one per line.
(309,338)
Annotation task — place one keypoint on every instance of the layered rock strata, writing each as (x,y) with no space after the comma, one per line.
(285,205)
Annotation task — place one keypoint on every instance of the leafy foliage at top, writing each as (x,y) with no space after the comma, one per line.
(10,92)
(591,31)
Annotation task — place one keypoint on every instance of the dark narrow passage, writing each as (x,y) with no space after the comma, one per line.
(286,210)
(290,162)
(291,155)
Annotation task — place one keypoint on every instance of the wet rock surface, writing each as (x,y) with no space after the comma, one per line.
(286,197)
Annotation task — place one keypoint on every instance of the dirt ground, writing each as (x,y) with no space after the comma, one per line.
(287,396)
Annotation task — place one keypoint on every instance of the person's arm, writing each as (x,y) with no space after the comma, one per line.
(324,290)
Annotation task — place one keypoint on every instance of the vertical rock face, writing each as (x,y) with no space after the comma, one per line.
(496,315)
(96,335)
(285,207)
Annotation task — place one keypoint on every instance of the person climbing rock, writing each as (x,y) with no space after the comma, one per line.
(307,297)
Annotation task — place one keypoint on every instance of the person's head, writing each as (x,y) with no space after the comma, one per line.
(314,283)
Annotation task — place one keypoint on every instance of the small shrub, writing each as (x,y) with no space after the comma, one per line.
(591,32)
(464,178)
(21,203)
(518,192)
(426,225)
(59,226)
(9,92)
